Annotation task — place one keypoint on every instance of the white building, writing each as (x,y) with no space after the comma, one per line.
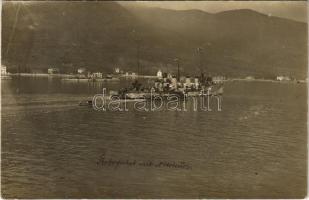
(249,78)
(97,75)
(117,70)
(3,70)
(219,79)
(196,83)
(159,74)
(169,76)
(81,70)
(188,82)
(283,78)
(53,71)
(174,83)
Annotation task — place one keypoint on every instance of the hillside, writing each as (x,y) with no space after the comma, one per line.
(239,41)
(101,35)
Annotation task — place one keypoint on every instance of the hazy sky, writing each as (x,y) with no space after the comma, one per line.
(287,9)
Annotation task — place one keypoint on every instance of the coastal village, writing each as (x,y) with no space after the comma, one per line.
(163,83)
(83,74)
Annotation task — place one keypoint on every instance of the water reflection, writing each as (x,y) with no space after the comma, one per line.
(255,147)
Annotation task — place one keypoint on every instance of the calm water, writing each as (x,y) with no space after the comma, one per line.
(254,147)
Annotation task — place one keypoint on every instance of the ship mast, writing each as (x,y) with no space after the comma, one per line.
(200,52)
(138,46)
(178,72)
(138,55)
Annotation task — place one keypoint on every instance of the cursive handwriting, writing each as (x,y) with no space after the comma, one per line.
(116,163)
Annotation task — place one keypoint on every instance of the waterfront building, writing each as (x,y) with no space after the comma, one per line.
(169,76)
(159,74)
(81,70)
(53,71)
(97,75)
(219,79)
(129,73)
(249,78)
(3,70)
(196,83)
(187,83)
(174,83)
(283,78)
(117,70)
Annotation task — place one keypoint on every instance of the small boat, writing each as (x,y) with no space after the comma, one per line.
(85,103)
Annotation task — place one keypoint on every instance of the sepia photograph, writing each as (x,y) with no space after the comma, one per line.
(154,99)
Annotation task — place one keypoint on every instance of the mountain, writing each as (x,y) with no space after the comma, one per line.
(237,42)
(65,34)
(102,35)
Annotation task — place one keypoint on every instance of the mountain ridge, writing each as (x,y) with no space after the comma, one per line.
(102,35)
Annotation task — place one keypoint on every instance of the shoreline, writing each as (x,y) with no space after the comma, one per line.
(264,80)
(149,76)
(42,75)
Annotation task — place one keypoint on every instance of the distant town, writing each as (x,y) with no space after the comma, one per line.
(83,73)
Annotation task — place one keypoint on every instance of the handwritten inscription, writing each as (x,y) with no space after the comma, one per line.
(116,163)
